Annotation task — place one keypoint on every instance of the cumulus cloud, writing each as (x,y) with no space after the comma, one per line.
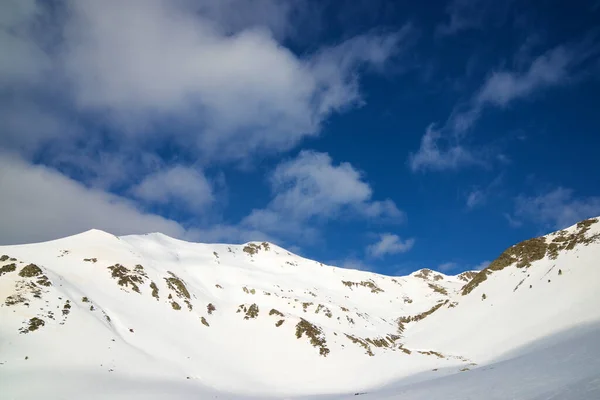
(176,64)
(39,203)
(95,88)
(176,185)
(389,244)
(275,15)
(207,75)
(102,87)
(306,189)
(556,209)
(311,187)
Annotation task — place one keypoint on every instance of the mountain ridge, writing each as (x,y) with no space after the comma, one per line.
(153,306)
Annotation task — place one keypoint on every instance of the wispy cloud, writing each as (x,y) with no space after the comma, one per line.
(475,198)
(479,195)
(481,265)
(453,267)
(446,148)
(556,209)
(434,154)
(473,14)
(447,267)
(389,244)
(512,221)
(557,66)
(549,69)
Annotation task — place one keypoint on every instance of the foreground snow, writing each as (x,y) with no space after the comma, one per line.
(565,366)
(153,317)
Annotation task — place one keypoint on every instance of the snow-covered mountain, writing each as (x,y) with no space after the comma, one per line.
(157,317)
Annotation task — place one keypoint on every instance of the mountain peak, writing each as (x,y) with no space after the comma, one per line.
(428,274)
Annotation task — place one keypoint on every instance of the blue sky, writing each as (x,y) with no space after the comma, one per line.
(380,135)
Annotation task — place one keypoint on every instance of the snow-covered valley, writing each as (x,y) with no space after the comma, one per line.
(150,316)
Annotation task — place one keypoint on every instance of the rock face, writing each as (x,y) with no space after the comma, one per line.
(150,305)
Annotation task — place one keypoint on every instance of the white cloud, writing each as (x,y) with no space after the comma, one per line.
(452,267)
(211,77)
(549,69)
(512,221)
(307,190)
(475,198)
(446,267)
(353,263)
(229,82)
(39,203)
(473,14)
(381,210)
(279,223)
(23,60)
(390,244)
(224,233)
(176,185)
(555,67)
(463,15)
(480,195)
(552,68)
(311,187)
(273,14)
(556,209)
(433,156)
(481,265)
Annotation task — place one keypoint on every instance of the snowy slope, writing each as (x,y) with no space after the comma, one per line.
(514,306)
(565,366)
(171,319)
